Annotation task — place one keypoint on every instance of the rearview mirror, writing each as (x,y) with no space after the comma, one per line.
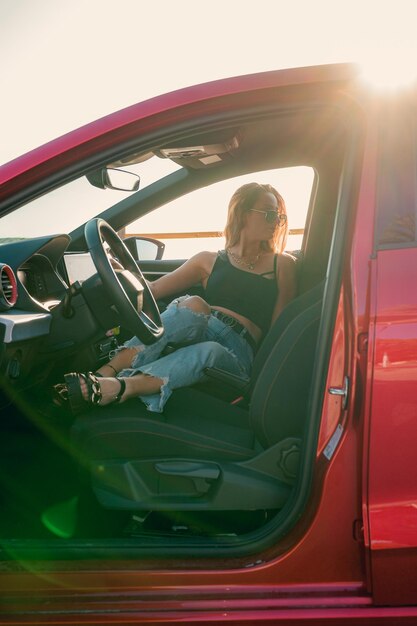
(144,248)
(113,178)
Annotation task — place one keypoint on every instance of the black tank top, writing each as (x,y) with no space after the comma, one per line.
(250,295)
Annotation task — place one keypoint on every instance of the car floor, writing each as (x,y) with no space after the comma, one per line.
(45,494)
(34,475)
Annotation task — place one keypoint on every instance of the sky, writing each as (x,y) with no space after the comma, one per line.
(67,62)
(64,63)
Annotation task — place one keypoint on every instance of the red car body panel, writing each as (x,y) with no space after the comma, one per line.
(352,557)
(180,105)
(392,453)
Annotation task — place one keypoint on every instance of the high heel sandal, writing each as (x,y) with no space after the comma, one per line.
(70,392)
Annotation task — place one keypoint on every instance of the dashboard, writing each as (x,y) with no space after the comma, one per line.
(36,278)
(39,286)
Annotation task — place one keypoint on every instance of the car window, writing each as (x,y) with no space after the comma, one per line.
(196,221)
(64,208)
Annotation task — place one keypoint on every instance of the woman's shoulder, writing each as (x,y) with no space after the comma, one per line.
(286,265)
(204,260)
(204,256)
(279,259)
(285,259)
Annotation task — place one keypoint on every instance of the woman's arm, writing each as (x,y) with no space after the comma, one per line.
(287,283)
(192,272)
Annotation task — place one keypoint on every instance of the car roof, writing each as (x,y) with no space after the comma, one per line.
(183,98)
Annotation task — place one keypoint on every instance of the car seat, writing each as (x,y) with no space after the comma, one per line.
(202,453)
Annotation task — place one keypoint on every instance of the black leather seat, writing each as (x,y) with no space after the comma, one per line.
(203,453)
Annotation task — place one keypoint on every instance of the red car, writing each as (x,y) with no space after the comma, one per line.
(297,504)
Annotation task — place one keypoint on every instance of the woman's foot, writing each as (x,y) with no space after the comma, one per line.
(83,390)
(110,390)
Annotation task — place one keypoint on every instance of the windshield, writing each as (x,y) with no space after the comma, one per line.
(67,207)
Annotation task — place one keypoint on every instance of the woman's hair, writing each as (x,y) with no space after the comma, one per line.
(240,203)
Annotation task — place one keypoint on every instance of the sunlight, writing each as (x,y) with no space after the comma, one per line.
(389,73)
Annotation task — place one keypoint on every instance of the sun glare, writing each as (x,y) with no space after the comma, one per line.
(389,74)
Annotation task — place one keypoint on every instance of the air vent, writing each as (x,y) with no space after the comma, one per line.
(8,287)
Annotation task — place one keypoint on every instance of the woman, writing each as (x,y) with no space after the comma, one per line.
(246,287)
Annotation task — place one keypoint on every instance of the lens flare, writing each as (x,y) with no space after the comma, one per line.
(388,74)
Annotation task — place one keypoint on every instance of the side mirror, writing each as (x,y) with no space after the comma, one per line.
(144,248)
(113,178)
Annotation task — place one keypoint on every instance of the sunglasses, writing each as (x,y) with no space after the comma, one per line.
(272,216)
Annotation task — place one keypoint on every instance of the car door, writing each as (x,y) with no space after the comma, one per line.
(391,526)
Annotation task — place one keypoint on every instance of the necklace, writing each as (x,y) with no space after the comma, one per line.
(240,260)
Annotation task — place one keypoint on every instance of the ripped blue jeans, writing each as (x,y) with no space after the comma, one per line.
(212,343)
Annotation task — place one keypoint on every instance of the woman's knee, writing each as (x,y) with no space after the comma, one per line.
(196,304)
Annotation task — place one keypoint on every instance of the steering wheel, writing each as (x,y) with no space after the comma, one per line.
(144,319)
